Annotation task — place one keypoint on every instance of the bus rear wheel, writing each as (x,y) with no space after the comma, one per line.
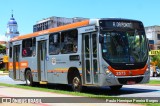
(76,83)
(29,78)
(116,87)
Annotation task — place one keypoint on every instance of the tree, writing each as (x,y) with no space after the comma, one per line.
(2,49)
(155,60)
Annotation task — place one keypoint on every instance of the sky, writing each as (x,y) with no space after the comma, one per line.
(28,12)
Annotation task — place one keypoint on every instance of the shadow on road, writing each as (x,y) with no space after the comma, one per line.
(97,90)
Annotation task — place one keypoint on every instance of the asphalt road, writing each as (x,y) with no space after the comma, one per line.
(6,79)
(142,90)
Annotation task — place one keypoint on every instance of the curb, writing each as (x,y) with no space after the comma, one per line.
(2,73)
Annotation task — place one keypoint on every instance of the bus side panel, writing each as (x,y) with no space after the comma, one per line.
(10,63)
(31,64)
(50,68)
(35,76)
(58,66)
(11,74)
(22,77)
(57,69)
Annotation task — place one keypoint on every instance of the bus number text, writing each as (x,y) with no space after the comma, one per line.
(120,73)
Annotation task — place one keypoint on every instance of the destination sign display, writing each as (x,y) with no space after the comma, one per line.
(120,24)
(123,24)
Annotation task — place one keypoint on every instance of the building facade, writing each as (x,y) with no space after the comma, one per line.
(153,34)
(53,22)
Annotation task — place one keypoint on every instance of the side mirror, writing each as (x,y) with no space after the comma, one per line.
(101,38)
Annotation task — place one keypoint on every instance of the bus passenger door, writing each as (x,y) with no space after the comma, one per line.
(16,62)
(42,60)
(90,58)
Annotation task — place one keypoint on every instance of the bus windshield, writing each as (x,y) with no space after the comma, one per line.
(124,46)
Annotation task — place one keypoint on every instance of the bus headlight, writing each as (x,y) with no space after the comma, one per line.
(107,71)
(147,69)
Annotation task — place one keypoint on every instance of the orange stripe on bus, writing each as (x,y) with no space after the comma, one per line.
(62,71)
(10,66)
(34,71)
(19,65)
(128,72)
(23,64)
(60,28)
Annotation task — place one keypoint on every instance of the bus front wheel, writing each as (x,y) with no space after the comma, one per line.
(76,83)
(29,78)
(116,87)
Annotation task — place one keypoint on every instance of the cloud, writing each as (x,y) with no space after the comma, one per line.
(3,38)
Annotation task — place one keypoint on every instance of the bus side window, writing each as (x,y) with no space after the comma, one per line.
(54,44)
(34,46)
(27,47)
(69,41)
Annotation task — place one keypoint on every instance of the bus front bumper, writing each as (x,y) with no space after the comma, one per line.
(111,80)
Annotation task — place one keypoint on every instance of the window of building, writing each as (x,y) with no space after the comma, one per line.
(151,46)
(54,44)
(158,36)
(69,41)
(158,47)
(29,47)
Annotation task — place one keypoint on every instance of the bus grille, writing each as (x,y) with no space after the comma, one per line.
(125,80)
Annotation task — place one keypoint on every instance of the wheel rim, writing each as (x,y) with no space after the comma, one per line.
(76,83)
(28,79)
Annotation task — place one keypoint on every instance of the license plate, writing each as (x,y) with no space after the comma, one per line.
(131,82)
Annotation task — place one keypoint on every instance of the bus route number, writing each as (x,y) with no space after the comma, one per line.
(120,73)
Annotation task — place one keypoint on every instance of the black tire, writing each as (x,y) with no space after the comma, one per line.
(116,87)
(76,83)
(29,78)
(155,74)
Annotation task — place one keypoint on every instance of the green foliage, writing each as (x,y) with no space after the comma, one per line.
(2,49)
(3,69)
(156,58)
(154,82)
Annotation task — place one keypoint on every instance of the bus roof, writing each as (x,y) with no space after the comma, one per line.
(52,30)
(65,27)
